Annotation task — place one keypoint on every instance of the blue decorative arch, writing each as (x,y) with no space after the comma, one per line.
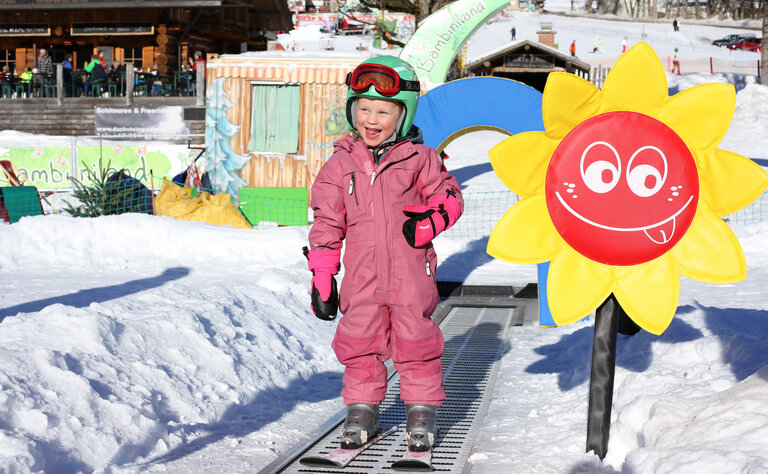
(483,102)
(478,102)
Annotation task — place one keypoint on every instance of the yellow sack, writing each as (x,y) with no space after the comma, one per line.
(175,201)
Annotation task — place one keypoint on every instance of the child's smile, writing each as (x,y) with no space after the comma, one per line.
(376,120)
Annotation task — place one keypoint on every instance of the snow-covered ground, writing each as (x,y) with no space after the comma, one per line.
(136,343)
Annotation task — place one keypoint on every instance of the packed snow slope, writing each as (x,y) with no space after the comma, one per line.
(137,343)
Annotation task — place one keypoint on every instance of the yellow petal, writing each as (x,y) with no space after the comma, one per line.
(525,234)
(701,114)
(576,286)
(636,83)
(649,293)
(568,100)
(709,251)
(521,162)
(729,181)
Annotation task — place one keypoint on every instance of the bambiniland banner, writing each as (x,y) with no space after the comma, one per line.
(53,167)
(439,37)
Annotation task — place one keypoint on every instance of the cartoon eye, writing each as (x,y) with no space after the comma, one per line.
(601,176)
(645,179)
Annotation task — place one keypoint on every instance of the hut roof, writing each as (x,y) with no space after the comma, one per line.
(523,47)
(289,67)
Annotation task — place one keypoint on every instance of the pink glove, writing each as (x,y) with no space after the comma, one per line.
(425,222)
(324,263)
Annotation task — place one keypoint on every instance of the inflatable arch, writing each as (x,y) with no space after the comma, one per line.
(477,103)
(483,103)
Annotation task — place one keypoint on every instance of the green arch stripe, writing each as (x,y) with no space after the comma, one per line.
(437,40)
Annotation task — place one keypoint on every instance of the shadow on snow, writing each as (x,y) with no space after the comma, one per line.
(84,298)
(570,357)
(238,421)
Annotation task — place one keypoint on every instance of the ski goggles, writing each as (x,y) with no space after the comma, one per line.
(384,79)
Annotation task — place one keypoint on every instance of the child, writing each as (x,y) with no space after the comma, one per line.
(388,196)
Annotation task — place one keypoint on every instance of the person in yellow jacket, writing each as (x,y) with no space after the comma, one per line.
(26,76)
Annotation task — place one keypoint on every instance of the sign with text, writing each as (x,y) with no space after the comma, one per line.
(25,30)
(140,121)
(85,29)
(52,167)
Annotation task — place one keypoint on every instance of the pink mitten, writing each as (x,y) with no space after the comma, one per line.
(425,222)
(324,263)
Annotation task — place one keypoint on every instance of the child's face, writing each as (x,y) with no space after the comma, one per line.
(376,120)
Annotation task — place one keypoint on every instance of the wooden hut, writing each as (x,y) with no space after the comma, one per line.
(308,96)
(528,62)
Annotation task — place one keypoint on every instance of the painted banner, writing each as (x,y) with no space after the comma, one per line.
(439,37)
(51,167)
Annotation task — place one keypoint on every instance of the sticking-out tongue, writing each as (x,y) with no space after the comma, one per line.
(370,133)
(662,233)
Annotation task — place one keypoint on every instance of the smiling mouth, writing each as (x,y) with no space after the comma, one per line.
(372,133)
(662,230)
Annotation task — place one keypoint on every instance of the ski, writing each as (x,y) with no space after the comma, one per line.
(342,457)
(414,461)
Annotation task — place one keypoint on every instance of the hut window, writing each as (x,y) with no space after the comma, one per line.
(274,118)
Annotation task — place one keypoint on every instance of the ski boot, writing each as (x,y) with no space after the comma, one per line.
(361,425)
(420,427)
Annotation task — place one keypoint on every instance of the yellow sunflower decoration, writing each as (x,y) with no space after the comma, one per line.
(625,190)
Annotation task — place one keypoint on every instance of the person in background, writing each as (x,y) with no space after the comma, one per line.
(73,85)
(513,33)
(5,74)
(117,71)
(97,75)
(67,63)
(197,60)
(194,62)
(102,60)
(624,45)
(26,76)
(675,25)
(572,49)
(675,64)
(44,63)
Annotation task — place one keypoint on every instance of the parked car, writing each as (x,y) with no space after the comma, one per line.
(726,39)
(750,43)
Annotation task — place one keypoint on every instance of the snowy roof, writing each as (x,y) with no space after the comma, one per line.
(320,56)
(315,67)
(524,45)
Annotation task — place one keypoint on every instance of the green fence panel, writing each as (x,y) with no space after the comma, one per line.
(284,206)
(19,201)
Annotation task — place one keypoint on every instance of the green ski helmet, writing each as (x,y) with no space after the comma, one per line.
(375,78)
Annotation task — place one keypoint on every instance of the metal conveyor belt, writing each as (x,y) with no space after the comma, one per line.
(476,331)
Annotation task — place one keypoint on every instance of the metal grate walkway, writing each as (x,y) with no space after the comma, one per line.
(475,339)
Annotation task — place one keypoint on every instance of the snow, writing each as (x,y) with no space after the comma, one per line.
(136,343)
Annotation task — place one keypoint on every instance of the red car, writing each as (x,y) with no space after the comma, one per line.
(749,43)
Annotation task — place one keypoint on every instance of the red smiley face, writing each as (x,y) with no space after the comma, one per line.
(622,188)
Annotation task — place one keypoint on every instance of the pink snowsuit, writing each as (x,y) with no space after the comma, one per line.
(388,292)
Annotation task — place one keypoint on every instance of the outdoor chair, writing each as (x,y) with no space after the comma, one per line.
(6,90)
(48,87)
(22,89)
(95,88)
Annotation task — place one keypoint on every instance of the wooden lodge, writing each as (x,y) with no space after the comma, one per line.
(141,32)
(136,33)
